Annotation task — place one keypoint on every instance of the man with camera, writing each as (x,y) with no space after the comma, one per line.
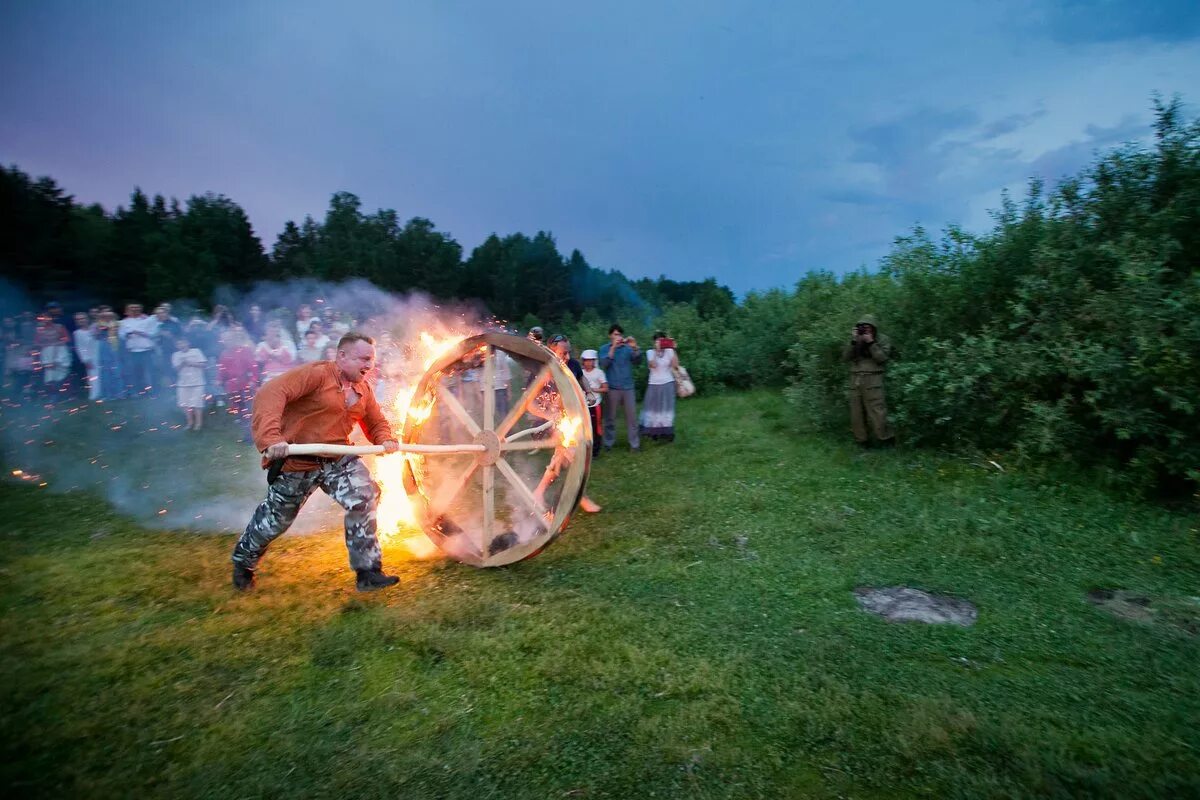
(868,352)
(617,359)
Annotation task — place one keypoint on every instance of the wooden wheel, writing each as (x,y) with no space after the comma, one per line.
(507,501)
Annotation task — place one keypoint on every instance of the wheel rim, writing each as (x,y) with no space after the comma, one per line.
(512,524)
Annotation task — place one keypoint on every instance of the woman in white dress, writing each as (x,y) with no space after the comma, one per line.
(658,407)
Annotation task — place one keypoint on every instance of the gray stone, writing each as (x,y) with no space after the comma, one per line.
(902,604)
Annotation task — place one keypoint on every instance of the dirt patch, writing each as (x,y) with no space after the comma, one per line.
(903,604)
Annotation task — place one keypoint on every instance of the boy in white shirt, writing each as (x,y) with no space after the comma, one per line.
(595,385)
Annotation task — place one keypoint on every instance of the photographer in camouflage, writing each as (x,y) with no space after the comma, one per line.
(868,352)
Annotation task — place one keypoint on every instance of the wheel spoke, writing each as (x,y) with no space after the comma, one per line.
(489,507)
(457,411)
(489,388)
(538,509)
(532,444)
(518,408)
(448,491)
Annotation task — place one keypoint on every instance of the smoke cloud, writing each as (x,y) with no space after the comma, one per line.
(136,455)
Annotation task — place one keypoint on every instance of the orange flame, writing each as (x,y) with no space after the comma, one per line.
(395,512)
(435,349)
(568,428)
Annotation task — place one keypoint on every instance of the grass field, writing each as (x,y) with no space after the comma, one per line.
(699,638)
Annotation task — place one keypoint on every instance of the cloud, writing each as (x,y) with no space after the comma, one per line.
(1070,158)
(1010,124)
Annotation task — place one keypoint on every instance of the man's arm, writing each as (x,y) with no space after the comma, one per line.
(880,351)
(374,424)
(605,356)
(266,421)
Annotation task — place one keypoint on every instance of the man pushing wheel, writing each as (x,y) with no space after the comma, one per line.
(319,402)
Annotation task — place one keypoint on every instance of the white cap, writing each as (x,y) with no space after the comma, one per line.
(588,354)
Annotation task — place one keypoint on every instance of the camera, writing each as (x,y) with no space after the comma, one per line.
(862,329)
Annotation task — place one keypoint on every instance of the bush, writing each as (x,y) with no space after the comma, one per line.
(1071,331)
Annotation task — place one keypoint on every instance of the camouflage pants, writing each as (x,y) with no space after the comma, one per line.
(347,481)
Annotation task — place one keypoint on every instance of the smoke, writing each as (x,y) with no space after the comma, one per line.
(136,455)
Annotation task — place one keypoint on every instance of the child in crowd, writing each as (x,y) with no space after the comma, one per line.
(238,373)
(312,349)
(274,355)
(189,365)
(595,385)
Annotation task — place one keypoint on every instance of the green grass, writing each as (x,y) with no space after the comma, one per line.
(698,638)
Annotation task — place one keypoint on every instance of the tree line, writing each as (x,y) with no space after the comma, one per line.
(154,248)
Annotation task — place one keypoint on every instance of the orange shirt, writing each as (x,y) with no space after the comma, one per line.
(307,405)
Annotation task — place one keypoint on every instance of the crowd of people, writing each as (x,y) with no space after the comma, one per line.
(606,377)
(220,360)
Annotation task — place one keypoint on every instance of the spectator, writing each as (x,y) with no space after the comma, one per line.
(318,328)
(189,364)
(222,320)
(237,372)
(206,340)
(304,320)
(84,337)
(312,349)
(53,354)
(167,332)
(285,335)
(109,366)
(334,327)
(273,355)
(548,405)
(658,406)
(255,323)
(137,338)
(617,359)
(595,386)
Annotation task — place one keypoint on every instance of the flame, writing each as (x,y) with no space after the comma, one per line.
(568,428)
(435,349)
(395,512)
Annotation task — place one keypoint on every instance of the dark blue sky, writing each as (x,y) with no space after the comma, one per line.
(750,141)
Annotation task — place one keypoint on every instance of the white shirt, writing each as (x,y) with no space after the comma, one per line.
(189,365)
(85,345)
(138,344)
(593,379)
(660,366)
(302,326)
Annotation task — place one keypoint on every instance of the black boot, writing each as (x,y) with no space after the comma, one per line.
(243,578)
(371,579)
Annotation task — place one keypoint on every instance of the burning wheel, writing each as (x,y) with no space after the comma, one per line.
(498,448)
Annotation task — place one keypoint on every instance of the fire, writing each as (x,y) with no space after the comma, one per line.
(434,349)
(568,428)
(395,511)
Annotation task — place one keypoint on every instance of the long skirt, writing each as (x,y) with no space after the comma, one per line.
(658,411)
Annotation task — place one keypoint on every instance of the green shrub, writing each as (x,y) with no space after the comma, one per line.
(1071,331)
